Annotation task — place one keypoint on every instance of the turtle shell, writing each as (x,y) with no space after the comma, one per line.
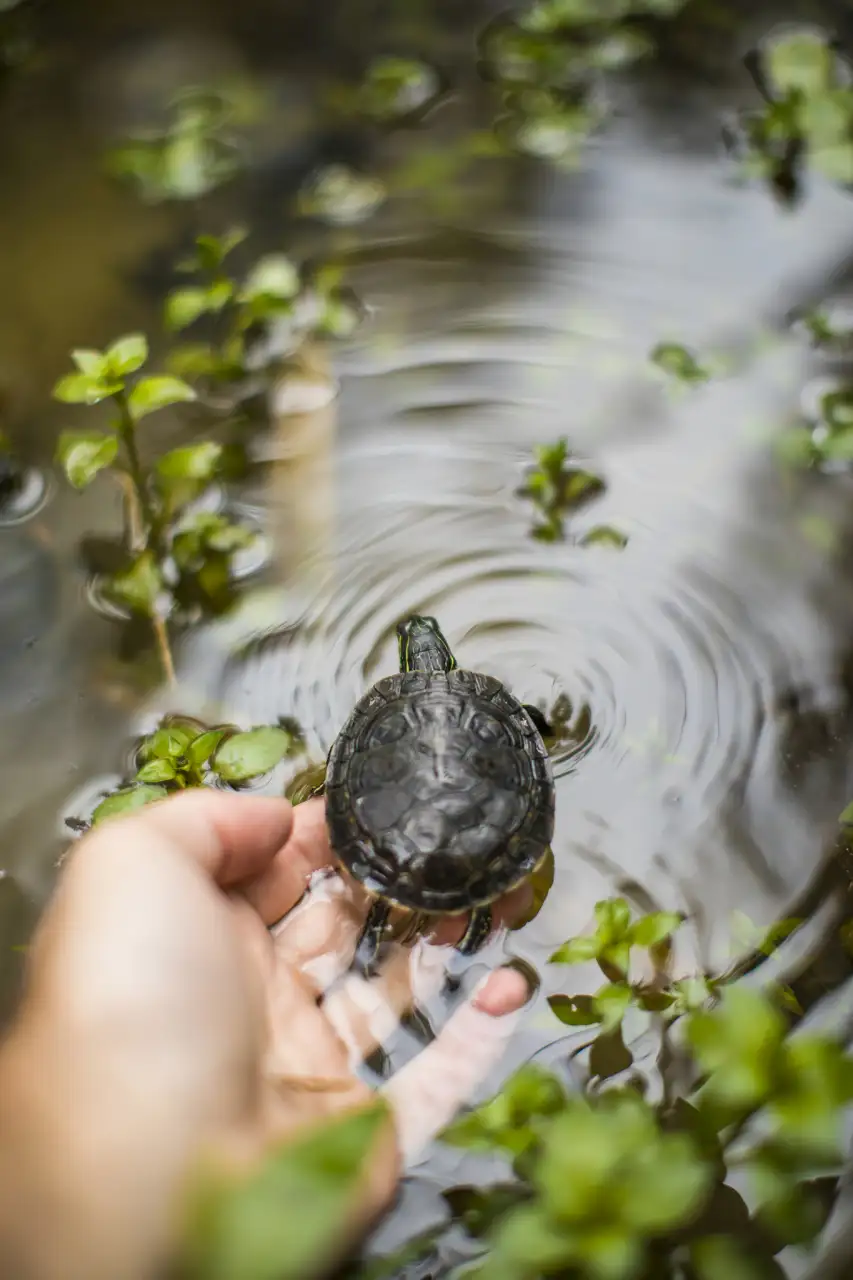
(439,791)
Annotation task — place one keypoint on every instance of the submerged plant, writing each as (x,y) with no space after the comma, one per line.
(183,752)
(556,488)
(164,547)
(192,155)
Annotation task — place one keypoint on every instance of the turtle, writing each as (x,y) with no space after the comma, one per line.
(439,793)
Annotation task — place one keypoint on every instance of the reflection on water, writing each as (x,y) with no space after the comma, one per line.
(706,665)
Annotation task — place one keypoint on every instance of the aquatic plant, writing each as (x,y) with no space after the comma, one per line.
(261,320)
(394,90)
(285,1219)
(556,488)
(807,118)
(608,1183)
(192,155)
(679,362)
(165,546)
(184,752)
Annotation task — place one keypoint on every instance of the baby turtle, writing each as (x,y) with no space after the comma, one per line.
(439,792)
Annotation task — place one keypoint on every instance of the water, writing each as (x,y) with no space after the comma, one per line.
(708,665)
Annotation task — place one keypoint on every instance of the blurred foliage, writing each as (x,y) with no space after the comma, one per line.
(285,1220)
(679,363)
(193,154)
(610,1186)
(184,752)
(807,118)
(556,488)
(260,321)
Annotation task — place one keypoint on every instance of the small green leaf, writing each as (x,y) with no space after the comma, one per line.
(577,951)
(151,394)
(800,62)
(127,354)
(80,388)
(846,816)
(724,1258)
(613,919)
(191,462)
(91,363)
(612,1003)
(575,1011)
(655,927)
(251,754)
(139,586)
(202,748)
(126,800)
(274,276)
(288,1218)
(604,535)
(82,454)
(157,771)
(184,306)
(166,743)
(480,1208)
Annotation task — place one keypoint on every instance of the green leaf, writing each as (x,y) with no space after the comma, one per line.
(191,462)
(575,1011)
(613,919)
(139,586)
(655,927)
(274,276)
(213,250)
(251,754)
(604,535)
(668,1186)
(126,800)
(82,454)
(612,1003)
(91,363)
(80,388)
(151,394)
(610,1254)
(157,771)
(739,1045)
(478,1209)
(127,354)
(846,816)
(724,1258)
(184,306)
(503,1122)
(834,163)
(202,748)
(166,743)
(577,950)
(800,62)
(290,1217)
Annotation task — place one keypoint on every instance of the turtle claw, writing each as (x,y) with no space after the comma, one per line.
(370,940)
(477,933)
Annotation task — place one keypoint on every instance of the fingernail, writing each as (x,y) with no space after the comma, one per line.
(506,990)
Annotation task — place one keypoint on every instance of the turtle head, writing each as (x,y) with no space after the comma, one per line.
(422,646)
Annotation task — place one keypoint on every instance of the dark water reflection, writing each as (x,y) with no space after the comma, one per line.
(713,653)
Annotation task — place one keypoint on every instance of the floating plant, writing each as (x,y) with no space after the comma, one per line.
(556,488)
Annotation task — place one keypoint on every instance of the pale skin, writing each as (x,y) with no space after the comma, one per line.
(164,1022)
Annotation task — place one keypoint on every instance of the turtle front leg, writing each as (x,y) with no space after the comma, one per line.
(546,729)
(477,933)
(370,939)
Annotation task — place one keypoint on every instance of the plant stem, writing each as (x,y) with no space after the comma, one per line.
(127,431)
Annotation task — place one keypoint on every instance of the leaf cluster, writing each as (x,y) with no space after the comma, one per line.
(557,488)
(192,155)
(273,294)
(183,753)
(609,1186)
(807,117)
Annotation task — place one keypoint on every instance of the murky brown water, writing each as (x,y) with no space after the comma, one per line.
(713,653)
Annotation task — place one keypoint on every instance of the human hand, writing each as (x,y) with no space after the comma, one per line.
(163,1020)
